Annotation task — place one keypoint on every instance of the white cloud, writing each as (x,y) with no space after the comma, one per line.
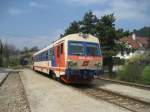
(123,9)
(37,5)
(126,9)
(32,4)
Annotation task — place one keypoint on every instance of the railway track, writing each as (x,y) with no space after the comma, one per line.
(147,87)
(134,105)
(5,78)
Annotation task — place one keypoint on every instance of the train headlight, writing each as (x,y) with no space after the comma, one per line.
(72,63)
(98,64)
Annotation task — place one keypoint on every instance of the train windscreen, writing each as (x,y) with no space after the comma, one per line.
(92,49)
(83,48)
(76,48)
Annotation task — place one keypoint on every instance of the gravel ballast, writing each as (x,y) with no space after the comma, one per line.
(12,95)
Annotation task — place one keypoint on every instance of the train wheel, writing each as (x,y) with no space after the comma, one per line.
(54,76)
(33,68)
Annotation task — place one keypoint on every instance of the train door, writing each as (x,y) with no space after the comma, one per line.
(60,57)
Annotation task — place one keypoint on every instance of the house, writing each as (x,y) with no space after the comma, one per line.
(138,44)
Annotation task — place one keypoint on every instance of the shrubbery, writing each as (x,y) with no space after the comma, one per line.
(137,69)
(13,62)
(118,61)
(130,72)
(146,75)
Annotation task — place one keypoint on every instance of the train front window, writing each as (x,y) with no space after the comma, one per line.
(76,48)
(92,49)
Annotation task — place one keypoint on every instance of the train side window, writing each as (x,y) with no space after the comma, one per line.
(43,56)
(37,58)
(62,47)
(51,53)
(40,57)
(47,55)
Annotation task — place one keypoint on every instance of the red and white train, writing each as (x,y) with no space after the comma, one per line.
(75,58)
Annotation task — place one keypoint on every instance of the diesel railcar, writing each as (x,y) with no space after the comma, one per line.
(75,58)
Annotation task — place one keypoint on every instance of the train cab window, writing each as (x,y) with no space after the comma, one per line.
(92,49)
(76,48)
(62,47)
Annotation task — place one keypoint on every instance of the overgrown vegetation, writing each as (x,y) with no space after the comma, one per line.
(146,75)
(118,61)
(130,72)
(136,70)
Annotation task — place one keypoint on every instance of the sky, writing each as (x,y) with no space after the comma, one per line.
(40,22)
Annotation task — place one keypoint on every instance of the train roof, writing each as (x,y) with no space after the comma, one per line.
(77,37)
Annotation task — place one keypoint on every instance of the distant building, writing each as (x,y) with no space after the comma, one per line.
(135,42)
(138,44)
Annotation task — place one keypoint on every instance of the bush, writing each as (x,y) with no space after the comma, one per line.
(140,59)
(118,61)
(130,72)
(146,75)
(137,69)
(137,59)
(13,61)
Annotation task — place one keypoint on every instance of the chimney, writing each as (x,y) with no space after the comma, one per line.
(133,36)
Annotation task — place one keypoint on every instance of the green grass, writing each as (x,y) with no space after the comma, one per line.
(146,75)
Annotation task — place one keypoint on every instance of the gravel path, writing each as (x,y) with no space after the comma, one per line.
(46,95)
(12,95)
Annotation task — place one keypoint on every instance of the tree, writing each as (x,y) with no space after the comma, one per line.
(1,53)
(106,33)
(149,43)
(143,32)
(73,28)
(88,23)
(121,33)
(35,48)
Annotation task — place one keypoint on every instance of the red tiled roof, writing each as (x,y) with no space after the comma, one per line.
(136,44)
(143,40)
